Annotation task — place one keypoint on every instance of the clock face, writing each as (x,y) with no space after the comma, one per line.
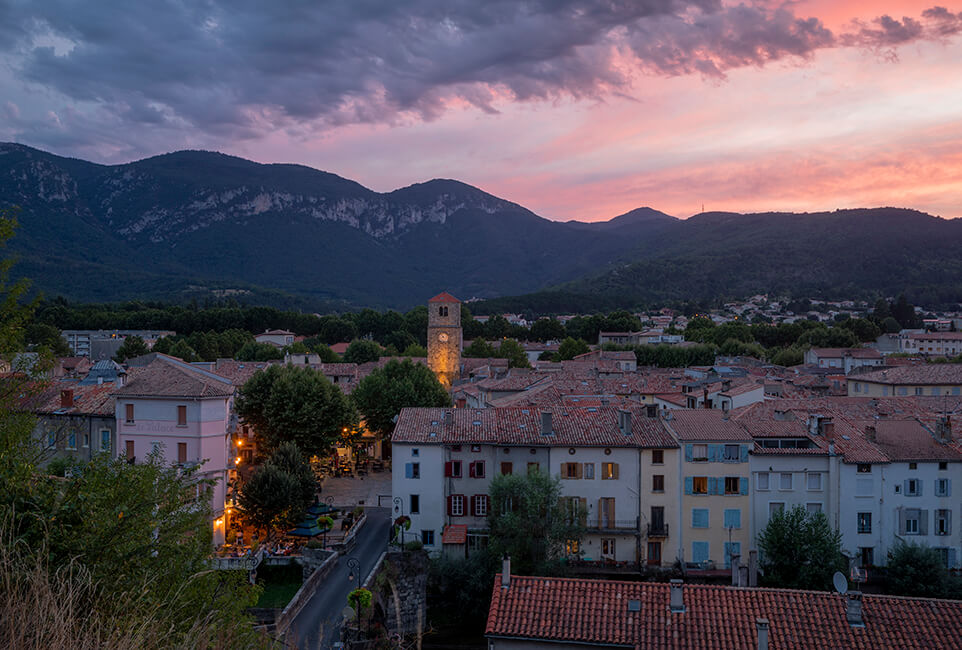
(443,337)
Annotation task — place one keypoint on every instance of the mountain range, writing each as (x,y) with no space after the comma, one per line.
(197,224)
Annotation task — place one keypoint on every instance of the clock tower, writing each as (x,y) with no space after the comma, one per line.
(444,337)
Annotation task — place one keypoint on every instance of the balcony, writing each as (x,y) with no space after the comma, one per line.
(657,530)
(606,525)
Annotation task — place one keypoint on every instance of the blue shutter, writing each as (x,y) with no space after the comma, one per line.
(408,470)
(712,484)
(699,552)
(948,487)
(905,487)
(688,455)
(689,484)
(699,518)
(744,453)
(919,483)
(952,557)
(743,485)
(733,518)
(715,453)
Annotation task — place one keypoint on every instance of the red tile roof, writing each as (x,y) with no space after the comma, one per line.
(855,353)
(170,377)
(444,296)
(597,612)
(705,424)
(455,534)
(929,374)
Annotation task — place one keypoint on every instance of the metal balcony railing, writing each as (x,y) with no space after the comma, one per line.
(660,530)
(613,525)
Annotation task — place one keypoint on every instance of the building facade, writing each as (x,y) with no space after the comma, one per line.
(444,338)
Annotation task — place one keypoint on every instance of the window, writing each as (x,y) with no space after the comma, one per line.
(812,508)
(104,440)
(699,452)
(609,471)
(479,505)
(506,469)
(943,466)
(863,469)
(864,523)
(456,505)
(608,547)
(182,416)
(918,390)
(72,440)
(699,552)
(943,522)
(657,456)
(589,472)
(443,310)
(699,485)
(943,487)
(912,526)
(476,469)
(533,467)
(412,470)
(86,440)
(570,470)
(761,483)
(913,465)
(658,483)
(732,452)
(130,449)
(181,452)
(415,504)
(452,468)
(130,413)
(475,448)
(785,481)
(814,480)
(864,487)
(903,390)
(699,518)
(913,487)
(866,556)
(455,447)
(733,518)
(415,452)
(427,537)
(572,547)
(775,507)
(732,485)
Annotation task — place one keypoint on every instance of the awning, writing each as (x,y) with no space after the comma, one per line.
(455,534)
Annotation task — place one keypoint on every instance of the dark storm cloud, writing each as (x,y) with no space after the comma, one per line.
(240,69)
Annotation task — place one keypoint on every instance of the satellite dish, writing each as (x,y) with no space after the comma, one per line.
(348,612)
(841,584)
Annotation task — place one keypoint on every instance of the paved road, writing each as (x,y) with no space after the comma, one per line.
(315,628)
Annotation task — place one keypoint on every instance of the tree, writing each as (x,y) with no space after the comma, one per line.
(570,348)
(916,570)
(133,346)
(479,349)
(47,336)
(800,550)
(514,353)
(530,522)
(297,404)
(182,350)
(788,357)
(414,350)
(14,313)
(253,351)
(290,460)
(382,394)
(360,351)
(269,500)
(547,329)
(891,326)
(864,329)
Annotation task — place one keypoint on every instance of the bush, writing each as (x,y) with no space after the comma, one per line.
(315,545)
(415,545)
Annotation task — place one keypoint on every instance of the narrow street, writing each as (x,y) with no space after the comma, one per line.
(315,628)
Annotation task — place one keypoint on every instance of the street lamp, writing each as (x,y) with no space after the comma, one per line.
(398,513)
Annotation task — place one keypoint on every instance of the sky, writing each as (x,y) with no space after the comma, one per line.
(575,109)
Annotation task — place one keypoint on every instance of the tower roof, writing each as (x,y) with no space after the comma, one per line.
(444,296)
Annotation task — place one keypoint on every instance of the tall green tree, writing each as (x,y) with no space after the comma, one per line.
(529,521)
(292,403)
(382,394)
(280,491)
(479,349)
(290,459)
(133,346)
(570,348)
(800,550)
(547,329)
(916,570)
(47,336)
(360,351)
(514,353)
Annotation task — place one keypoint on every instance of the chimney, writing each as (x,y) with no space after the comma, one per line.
(726,385)
(753,568)
(546,429)
(506,571)
(66,398)
(462,402)
(853,613)
(761,626)
(870,433)
(725,410)
(705,397)
(813,424)
(100,381)
(676,603)
(781,415)
(448,418)
(624,422)
(604,400)
(828,429)
(943,428)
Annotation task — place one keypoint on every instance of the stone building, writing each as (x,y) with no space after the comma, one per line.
(444,337)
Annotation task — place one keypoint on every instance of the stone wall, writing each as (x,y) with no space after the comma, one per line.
(399,586)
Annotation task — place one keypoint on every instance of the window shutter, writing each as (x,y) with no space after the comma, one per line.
(450,508)
(713,455)
(923,522)
(948,522)
(919,486)
(583,503)
(471,470)
(688,455)
(715,485)
(951,558)
(577,470)
(689,485)
(487,503)
(901,522)
(744,453)
(948,487)
(474,505)
(614,470)
(409,470)
(447,469)
(905,487)
(743,486)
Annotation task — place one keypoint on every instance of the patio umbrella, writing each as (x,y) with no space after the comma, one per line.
(319,509)
(307,528)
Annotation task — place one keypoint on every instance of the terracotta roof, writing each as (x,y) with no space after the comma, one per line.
(705,424)
(92,399)
(601,612)
(238,372)
(855,353)
(679,399)
(444,296)
(928,374)
(742,388)
(908,440)
(276,333)
(455,534)
(572,426)
(169,377)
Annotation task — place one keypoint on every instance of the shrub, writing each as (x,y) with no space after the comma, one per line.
(414,545)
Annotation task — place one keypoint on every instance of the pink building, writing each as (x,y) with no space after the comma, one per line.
(183,413)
